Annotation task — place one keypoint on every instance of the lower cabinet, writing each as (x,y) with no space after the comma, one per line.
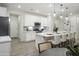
(30,35)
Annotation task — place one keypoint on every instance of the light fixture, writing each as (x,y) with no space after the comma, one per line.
(54,14)
(66,14)
(19,6)
(66,18)
(70,13)
(61,16)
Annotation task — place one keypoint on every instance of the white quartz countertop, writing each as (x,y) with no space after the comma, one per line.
(48,34)
(5,38)
(45,34)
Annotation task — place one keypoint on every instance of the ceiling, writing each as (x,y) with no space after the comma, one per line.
(43,8)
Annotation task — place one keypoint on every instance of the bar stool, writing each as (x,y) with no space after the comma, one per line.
(56,42)
(77,37)
(68,38)
(73,38)
(63,40)
(44,46)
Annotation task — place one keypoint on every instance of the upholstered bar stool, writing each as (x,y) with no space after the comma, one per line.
(76,37)
(56,42)
(68,38)
(73,38)
(63,40)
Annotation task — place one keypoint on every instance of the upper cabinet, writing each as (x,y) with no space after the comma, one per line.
(3,12)
(31,19)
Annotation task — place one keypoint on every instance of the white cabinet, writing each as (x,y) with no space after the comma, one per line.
(3,11)
(44,21)
(30,20)
(30,35)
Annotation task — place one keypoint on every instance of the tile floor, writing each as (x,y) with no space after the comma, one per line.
(23,48)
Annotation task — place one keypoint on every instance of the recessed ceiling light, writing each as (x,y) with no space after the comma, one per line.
(61,16)
(19,6)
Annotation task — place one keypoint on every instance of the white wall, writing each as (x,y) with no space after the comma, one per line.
(74,23)
(21,30)
(3,11)
(4,47)
(14,26)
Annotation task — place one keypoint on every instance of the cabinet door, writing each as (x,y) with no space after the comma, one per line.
(30,20)
(30,35)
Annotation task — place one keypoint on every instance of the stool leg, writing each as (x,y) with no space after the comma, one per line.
(56,45)
(61,45)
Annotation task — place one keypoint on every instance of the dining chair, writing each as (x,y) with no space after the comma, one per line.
(68,38)
(44,46)
(73,38)
(77,37)
(63,40)
(56,42)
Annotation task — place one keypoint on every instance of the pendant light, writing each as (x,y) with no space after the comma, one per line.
(54,11)
(70,13)
(66,14)
(61,16)
(54,14)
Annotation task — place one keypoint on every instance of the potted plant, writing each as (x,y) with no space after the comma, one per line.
(73,50)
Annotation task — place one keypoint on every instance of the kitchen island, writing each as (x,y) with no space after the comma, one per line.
(54,38)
